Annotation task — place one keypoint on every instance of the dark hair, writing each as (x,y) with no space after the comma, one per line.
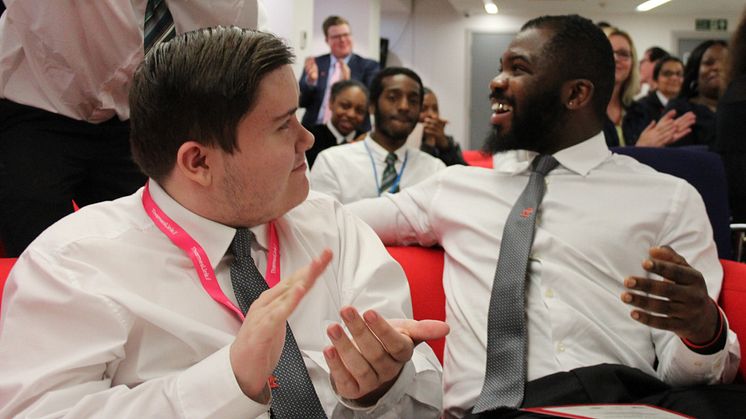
(579,50)
(656,53)
(690,87)
(333,21)
(661,61)
(376,85)
(197,87)
(343,85)
(737,52)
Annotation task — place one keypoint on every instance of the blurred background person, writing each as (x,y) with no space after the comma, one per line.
(647,64)
(668,74)
(349,106)
(434,139)
(320,73)
(626,83)
(700,91)
(731,123)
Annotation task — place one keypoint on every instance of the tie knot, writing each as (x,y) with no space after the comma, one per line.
(391,158)
(544,163)
(241,244)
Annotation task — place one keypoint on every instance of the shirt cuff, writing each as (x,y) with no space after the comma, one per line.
(209,389)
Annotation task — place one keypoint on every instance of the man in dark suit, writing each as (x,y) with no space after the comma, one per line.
(320,73)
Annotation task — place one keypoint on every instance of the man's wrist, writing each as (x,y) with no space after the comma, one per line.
(717,343)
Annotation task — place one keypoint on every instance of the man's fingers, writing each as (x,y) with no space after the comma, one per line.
(396,345)
(344,383)
(657,322)
(681,274)
(664,289)
(421,330)
(371,346)
(356,364)
(668,254)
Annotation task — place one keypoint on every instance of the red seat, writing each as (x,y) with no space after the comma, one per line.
(477,158)
(424,270)
(5,265)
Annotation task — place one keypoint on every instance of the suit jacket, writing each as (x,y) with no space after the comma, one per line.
(311,97)
(324,139)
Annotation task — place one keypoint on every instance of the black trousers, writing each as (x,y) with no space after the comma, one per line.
(47,160)
(619,384)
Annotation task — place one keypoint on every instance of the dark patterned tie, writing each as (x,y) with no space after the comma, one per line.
(505,372)
(389,175)
(159,24)
(294,397)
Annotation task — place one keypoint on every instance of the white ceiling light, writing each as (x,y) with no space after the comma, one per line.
(650,4)
(490,7)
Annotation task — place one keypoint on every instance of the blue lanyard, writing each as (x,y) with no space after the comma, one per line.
(375,171)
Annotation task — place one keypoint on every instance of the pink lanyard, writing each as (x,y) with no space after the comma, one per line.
(199,258)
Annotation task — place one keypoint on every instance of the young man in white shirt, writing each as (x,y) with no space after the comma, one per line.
(135,307)
(382,162)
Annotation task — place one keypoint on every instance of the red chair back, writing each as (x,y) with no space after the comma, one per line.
(5,265)
(733,302)
(424,269)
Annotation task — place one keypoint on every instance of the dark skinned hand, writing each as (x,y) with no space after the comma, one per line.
(678,303)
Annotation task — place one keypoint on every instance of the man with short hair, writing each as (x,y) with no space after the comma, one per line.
(178,301)
(382,162)
(320,73)
(546,294)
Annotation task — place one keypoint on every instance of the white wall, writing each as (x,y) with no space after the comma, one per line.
(433,40)
(292,20)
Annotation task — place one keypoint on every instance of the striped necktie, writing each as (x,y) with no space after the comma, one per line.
(505,371)
(389,175)
(159,24)
(294,395)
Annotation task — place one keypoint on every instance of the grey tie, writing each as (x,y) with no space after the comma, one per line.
(389,175)
(505,372)
(295,396)
(158,25)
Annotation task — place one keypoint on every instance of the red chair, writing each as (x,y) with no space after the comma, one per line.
(5,265)
(424,270)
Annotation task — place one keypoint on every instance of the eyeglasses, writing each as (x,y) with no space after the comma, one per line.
(623,54)
(669,73)
(340,36)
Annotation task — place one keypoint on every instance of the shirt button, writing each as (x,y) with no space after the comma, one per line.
(560,347)
(549,293)
(697,363)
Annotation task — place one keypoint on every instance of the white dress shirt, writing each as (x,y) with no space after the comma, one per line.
(600,215)
(104,317)
(346,171)
(341,139)
(77,58)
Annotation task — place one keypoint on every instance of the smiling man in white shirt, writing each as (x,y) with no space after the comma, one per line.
(132,307)
(589,300)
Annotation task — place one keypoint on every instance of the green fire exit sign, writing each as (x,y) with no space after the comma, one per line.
(711,24)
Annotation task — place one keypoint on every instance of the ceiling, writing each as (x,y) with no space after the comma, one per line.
(704,8)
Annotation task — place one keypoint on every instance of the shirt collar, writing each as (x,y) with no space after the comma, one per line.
(580,158)
(333,60)
(380,153)
(338,136)
(215,238)
(661,97)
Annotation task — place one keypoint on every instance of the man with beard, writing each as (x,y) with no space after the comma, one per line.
(575,311)
(381,163)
